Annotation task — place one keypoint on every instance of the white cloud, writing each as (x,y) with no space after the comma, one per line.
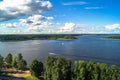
(34,23)
(36,29)
(74,3)
(10,9)
(49,18)
(69,27)
(88,8)
(10,25)
(37,23)
(35,20)
(112,27)
(80,28)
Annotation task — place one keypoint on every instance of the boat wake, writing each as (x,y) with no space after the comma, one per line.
(52,54)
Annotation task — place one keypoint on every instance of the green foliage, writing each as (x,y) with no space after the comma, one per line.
(8,59)
(48,67)
(20,57)
(31,78)
(19,62)
(22,64)
(36,37)
(79,71)
(57,69)
(1,62)
(36,68)
(14,61)
(94,71)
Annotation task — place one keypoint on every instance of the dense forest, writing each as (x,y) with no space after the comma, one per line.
(21,37)
(59,68)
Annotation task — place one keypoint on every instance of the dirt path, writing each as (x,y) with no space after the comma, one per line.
(17,73)
(22,74)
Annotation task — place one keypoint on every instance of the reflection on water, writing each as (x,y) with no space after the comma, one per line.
(87,47)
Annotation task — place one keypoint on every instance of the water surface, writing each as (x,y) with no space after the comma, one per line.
(86,47)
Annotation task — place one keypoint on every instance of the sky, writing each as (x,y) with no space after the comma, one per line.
(59,17)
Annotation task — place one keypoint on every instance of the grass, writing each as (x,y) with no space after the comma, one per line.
(31,78)
(7,75)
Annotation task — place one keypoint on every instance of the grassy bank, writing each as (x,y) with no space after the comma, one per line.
(31,78)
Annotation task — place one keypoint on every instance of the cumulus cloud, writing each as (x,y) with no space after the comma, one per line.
(37,23)
(9,25)
(112,27)
(81,28)
(10,9)
(34,20)
(68,27)
(74,3)
(71,27)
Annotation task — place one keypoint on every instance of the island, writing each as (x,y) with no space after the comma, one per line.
(111,38)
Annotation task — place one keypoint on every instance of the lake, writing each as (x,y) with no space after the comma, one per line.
(86,47)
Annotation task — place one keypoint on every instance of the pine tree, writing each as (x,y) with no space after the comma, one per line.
(36,68)
(8,59)
(1,62)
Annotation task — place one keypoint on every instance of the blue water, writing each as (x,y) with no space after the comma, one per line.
(86,47)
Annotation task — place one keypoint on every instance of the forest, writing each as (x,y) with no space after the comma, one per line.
(59,68)
(21,37)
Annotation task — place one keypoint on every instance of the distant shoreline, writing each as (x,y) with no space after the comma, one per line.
(61,37)
(111,38)
(5,38)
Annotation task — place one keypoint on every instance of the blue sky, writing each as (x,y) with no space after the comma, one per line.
(59,16)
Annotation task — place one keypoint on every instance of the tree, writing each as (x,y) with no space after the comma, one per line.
(61,69)
(20,57)
(36,68)
(1,62)
(114,73)
(104,70)
(96,72)
(14,62)
(57,69)
(49,63)
(22,64)
(8,59)
(79,70)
